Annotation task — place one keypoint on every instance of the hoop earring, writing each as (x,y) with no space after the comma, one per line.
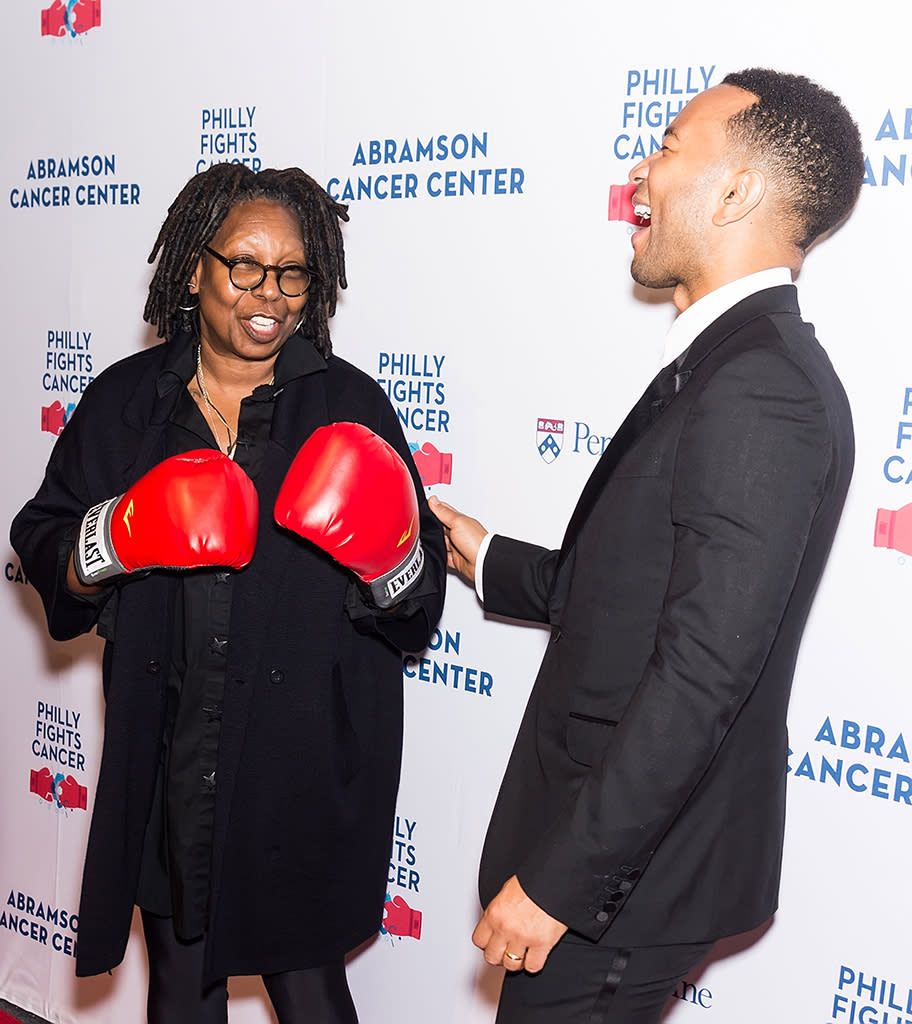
(190,309)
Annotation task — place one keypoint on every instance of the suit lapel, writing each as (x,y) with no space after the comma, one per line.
(645,412)
(667,383)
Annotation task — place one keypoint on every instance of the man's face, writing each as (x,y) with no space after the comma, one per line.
(681,186)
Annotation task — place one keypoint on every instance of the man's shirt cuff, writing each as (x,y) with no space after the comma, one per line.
(479,565)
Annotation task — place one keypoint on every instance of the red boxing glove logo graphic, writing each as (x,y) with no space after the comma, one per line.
(894,529)
(65,792)
(42,784)
(53,20)
(620,205)
(434,467)
(74,16)
(53,418)
(399,919)
(70,794)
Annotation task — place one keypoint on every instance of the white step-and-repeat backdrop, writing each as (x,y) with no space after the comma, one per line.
(490,295)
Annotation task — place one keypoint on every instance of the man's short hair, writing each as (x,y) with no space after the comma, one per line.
(804,136)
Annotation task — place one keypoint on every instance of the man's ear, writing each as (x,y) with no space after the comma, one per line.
(743,193)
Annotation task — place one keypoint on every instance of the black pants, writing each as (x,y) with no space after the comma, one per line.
(319,995)
(585,983)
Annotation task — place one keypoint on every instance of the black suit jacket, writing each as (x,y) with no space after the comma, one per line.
(644,799)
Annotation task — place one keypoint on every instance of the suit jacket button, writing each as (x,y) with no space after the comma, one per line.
(153,667)
(602,916)
(277,675)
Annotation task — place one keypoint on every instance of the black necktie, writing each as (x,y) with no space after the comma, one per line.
(665,385)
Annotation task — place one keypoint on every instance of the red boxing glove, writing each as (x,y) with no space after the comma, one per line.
(894,529)
(400,919)
(351,494)
(85,14)
(42,784)
(433,465)
(71,795)
(53,418)
(192,510)
(53,19)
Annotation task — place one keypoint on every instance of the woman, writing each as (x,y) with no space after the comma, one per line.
(253,717)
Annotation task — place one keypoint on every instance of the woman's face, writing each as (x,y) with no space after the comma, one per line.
(250,325)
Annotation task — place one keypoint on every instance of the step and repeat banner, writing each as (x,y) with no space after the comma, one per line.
(490,297)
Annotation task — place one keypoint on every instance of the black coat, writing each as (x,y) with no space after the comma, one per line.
(310,741)
(644,801)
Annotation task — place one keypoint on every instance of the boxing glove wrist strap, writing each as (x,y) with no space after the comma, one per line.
(94,558)
(391,587)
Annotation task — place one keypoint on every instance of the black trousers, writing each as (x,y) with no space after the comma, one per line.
(587,983)
(319,995)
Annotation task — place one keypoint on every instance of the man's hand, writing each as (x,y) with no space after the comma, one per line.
(463,537)
(515,932)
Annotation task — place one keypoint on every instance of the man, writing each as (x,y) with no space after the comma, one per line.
(641,814)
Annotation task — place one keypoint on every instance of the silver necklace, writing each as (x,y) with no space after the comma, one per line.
(211,408)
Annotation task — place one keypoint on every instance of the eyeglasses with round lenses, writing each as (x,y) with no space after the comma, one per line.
(246,274)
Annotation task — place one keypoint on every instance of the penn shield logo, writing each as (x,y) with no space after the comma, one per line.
(70,18)
(549,437)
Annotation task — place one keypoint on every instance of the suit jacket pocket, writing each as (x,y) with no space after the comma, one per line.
(588,737)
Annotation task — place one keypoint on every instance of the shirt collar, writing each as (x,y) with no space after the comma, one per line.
(297,358)
(696,318)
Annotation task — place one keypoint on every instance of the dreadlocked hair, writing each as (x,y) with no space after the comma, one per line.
(805,135)
(195,217)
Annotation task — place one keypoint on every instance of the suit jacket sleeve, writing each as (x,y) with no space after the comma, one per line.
(518,579)
(751,467)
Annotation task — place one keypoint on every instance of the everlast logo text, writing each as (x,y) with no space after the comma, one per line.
(408,574)
(91,554)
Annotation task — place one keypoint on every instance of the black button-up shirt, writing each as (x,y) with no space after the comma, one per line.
(174,878)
